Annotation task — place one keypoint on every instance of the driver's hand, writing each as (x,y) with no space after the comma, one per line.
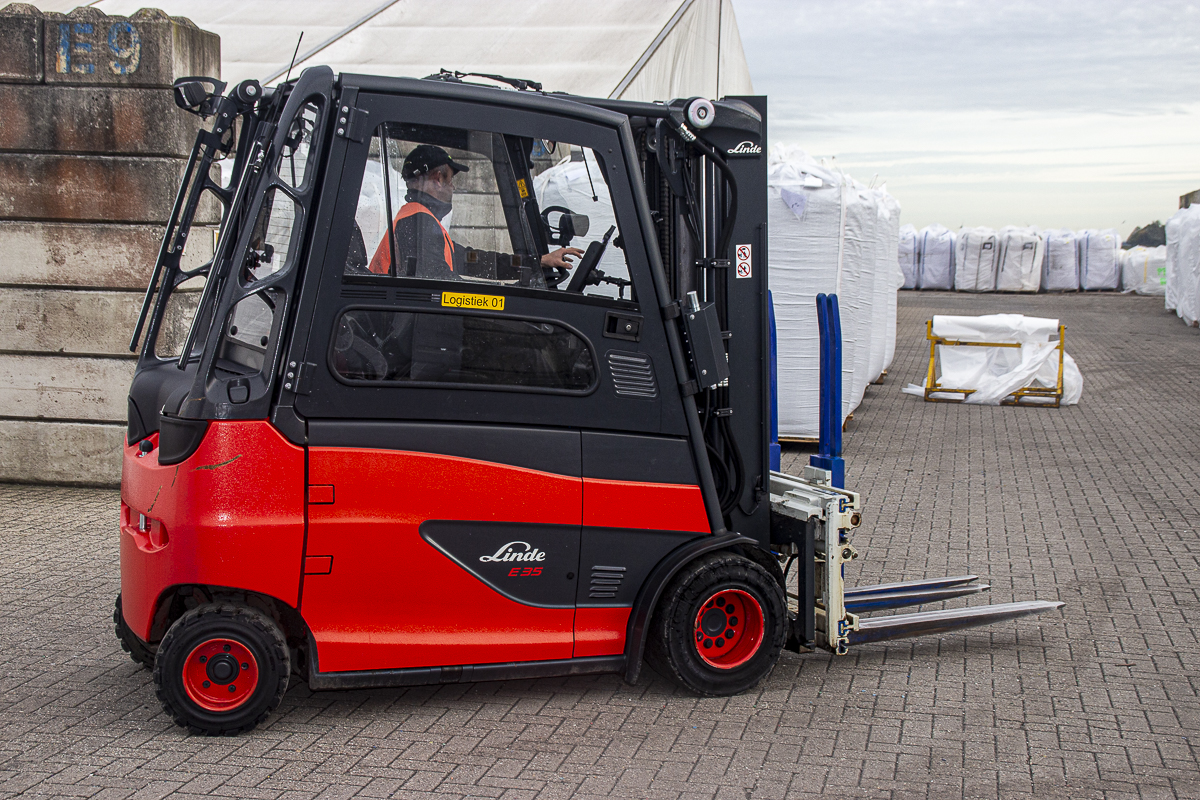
(558,258)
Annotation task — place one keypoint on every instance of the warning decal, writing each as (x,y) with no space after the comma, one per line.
(743,261)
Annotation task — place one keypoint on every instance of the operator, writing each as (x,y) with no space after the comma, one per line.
(423,244)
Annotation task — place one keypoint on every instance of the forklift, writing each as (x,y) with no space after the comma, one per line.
(420,422)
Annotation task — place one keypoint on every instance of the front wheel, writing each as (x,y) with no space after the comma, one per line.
(719,627)
(221,669)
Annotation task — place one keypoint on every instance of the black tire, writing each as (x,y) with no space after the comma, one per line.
(205,653)
(138,650)
(685,647)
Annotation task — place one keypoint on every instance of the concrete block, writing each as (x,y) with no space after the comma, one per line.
(91,256)
(87,389)
(65,322)
(61,452)
(20,44)
(149,48)
(100,119)
(37,186)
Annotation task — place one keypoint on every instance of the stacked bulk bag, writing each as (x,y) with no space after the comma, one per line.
(937,257)
(804,220)
(910,257)
(856,294)
(1183,270)
(828,233)
(1144,270)
(1061,272)
(1099,266)
(1171,290)
(1019,263)
(975,256)
(891,246)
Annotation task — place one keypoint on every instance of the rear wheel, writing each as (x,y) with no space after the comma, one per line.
(719,627)
(221,669)
(138,650)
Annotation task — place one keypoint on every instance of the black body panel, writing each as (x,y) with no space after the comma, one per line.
(536,565)
(614,563)
(543,449)
(178,438)
(648,459)
(424,676)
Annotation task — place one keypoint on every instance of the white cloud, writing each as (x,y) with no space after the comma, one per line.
(1047,113)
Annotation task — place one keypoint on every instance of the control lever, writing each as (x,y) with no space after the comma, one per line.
(591,257)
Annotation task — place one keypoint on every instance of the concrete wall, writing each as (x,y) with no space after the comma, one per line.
(91,152)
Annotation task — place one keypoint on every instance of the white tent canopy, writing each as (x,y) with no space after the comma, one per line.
(625,49)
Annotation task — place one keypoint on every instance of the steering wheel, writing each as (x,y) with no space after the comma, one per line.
(587,264)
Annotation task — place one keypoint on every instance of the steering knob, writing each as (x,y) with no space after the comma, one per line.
(701,113)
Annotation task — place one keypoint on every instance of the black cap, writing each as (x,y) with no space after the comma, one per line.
(425,157)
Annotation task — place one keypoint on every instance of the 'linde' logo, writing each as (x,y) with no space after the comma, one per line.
(509,552)
(746,148)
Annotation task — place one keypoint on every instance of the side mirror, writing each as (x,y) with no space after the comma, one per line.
(194,95)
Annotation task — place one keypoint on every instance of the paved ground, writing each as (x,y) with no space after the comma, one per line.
(1094,505)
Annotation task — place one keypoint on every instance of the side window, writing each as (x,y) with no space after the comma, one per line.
(248,329)
(405,347)
(455,209)
(476,206)
(570,189)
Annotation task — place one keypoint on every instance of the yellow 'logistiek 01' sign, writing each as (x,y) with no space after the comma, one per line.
(486,302)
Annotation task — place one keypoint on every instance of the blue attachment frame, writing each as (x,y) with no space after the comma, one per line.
(829,448)
(776,452)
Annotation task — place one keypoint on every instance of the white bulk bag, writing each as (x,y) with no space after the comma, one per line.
(1144,270)
(1061,272)
(1098,259)
(975,260)
(937,257)
(996,372)
(856,294)
(1185,232)
(1171,295)
(892,267)
(804,222)
(1019,264)
(909,256)
(882,281)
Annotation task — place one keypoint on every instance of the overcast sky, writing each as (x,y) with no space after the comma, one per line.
(1055,114)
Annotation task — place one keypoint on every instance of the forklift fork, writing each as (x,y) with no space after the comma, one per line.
(811,518)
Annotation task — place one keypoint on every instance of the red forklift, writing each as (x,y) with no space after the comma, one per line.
(394,433)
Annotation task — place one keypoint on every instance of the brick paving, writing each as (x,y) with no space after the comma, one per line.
(1094,505)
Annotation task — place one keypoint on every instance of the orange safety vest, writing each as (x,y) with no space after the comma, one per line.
(381,264)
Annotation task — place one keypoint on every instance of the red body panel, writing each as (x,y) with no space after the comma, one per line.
(391,599)
(600,631)
(648,506)
(230,515)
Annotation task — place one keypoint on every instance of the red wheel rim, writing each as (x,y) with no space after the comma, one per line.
(729,629)
(220,674)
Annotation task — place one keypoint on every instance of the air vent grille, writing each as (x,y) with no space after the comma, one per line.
(632,374)
(366,292)
(605,582)
(415,295)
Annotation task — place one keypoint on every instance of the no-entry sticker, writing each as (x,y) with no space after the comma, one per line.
(743,253)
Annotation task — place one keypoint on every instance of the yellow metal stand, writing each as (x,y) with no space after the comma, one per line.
(1028,396)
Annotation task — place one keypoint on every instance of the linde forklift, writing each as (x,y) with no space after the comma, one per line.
(369,461)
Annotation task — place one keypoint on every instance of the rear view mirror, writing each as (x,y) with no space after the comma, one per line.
(579,223)
(566,227)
